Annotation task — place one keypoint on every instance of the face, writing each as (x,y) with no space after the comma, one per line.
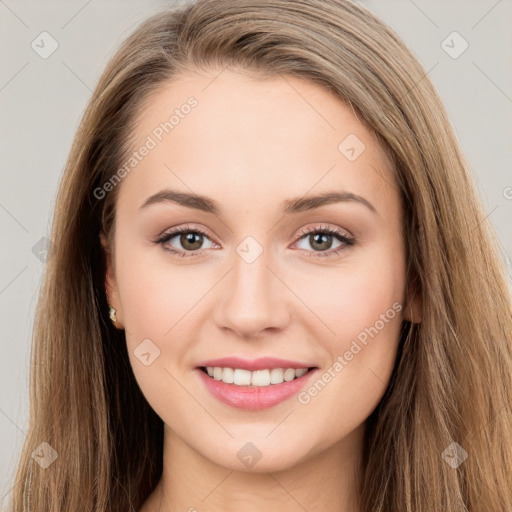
(292,304)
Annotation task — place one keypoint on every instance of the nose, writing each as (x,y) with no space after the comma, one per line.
(252,299)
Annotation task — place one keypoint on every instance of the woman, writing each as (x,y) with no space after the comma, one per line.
(201,344)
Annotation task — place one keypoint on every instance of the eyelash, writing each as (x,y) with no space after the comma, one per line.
(324,230)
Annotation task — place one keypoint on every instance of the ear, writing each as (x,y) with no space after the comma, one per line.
(110,282)
(414,308)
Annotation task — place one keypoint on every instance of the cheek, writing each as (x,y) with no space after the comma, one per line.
(352,298)
(362,303)
(161,302)
(363,306)
(154,306)
(153,293)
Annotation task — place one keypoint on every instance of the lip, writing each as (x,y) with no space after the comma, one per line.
(262,363)
(254,398)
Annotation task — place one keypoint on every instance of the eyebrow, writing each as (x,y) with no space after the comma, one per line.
(300,204)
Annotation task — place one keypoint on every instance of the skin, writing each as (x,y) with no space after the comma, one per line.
(251,144)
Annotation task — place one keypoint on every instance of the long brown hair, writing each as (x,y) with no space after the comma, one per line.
(452,380)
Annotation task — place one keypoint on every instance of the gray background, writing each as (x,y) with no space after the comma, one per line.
(42,100)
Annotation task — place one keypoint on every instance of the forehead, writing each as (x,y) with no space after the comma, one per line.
(229,131)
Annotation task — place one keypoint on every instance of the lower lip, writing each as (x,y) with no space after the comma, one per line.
(252,397)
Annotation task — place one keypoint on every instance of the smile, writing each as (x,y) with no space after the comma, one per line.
(254,384)
(257,378)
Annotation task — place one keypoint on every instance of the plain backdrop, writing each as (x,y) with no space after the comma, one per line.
(43,99)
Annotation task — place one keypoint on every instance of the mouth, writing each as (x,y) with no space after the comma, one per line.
(254,385)
(256,378)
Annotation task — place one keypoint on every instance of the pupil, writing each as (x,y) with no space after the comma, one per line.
(188,239)
(322,238)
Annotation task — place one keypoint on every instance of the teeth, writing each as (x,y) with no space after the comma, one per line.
(276,375)
(259,378)
(228,375)
(289,374)
(242,377)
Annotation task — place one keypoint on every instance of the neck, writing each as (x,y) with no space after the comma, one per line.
(327,481)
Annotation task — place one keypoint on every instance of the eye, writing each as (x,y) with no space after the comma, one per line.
(190,239)
(322,239)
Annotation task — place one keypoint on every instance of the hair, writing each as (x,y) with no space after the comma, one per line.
(452,380)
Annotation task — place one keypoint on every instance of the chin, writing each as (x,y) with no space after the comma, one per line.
(258,456)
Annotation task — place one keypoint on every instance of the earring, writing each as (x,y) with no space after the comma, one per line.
(112,314)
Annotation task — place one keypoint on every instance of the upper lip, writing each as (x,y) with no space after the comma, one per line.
(262,363)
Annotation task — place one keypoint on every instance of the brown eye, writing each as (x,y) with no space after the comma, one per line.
(321,240)
(184,240)
(191,241)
